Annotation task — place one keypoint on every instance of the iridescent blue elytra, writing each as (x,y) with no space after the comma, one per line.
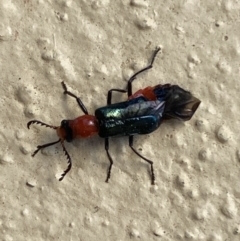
(136,116)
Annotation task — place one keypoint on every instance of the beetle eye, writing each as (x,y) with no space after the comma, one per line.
(64,123)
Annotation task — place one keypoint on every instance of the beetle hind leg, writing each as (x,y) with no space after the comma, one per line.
(144,158)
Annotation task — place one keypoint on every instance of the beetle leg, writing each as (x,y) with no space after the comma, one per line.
(39,147)
(80,103)
(109,96)
(109,101)
(109,158)
(145,159)
(69,162)
(142,70)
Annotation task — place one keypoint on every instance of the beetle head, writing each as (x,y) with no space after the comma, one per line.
(180,104)
(64,131)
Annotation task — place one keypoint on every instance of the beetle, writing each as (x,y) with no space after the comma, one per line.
(141,114)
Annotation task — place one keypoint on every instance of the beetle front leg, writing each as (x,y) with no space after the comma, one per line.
(79,101)
(142,70)
(144,158)
(109,158)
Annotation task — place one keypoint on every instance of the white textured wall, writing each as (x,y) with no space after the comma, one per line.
(95,46)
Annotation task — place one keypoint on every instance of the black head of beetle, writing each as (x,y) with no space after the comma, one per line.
(66,131)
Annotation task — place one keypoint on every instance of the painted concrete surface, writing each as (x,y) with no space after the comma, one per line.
(94,46)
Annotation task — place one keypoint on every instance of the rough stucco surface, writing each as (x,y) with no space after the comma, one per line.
(94,46)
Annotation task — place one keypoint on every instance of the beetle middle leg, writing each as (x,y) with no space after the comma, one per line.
(109,101)
(144,158)
(79,101)
(142,70)
(109,96)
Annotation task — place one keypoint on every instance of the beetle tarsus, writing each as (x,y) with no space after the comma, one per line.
(109,158)
(109,168)
(144,158)
(36,151)
(152,175)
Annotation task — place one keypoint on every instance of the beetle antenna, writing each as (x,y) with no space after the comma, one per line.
(43,146)
(40,123)
(69,162)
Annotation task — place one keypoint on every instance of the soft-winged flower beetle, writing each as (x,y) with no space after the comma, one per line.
(141,114)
